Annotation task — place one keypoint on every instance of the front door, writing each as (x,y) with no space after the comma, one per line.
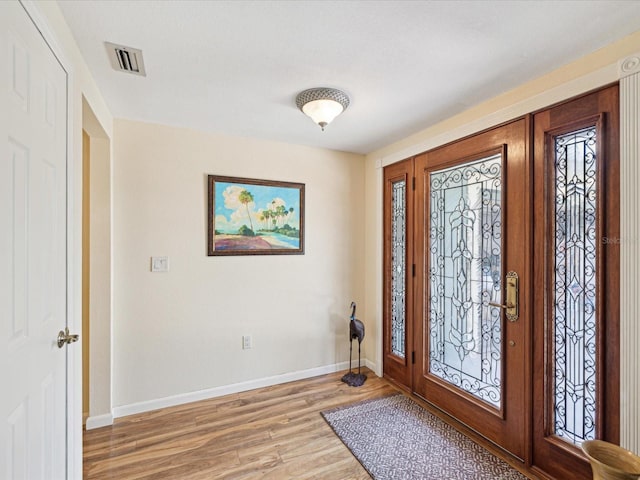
(33,275)
(472,261)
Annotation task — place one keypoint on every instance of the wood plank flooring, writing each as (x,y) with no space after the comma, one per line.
(270,433)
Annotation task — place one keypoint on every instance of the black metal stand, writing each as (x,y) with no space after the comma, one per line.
(354,379)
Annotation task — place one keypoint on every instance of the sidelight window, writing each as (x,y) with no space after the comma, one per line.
(575,285)
(398,267)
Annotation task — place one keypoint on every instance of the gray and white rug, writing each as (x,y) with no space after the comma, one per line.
(395,438)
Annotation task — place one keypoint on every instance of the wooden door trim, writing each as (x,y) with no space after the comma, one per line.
(597,108)
(395,368)
(566,101)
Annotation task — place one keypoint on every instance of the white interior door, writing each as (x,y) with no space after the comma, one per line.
(33,273)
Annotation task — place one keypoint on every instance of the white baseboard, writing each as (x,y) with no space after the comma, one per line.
(183,398)
(98,421)
(370,365)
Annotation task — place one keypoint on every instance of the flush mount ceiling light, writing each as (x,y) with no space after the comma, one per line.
(322,104)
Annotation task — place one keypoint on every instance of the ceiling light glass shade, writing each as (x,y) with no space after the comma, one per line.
(322,104)
(322,111)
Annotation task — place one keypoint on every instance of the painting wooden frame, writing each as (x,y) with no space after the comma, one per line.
(255,217)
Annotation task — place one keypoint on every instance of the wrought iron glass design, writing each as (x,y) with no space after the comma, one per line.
(575,286)
(465,272)
(398,266)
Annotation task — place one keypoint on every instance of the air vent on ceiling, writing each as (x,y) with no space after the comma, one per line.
(126,59)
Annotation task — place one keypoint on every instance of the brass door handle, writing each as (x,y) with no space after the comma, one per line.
(64,337)
(511,305)
(507,306)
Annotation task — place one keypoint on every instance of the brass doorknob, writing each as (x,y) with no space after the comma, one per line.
(64,337)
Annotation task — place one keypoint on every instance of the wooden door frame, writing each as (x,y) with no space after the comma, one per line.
(396,369)
(535,293)
(588,109)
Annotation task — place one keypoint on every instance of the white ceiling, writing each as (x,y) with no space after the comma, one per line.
(235,67)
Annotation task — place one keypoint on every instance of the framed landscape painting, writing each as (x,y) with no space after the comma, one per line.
(255,217)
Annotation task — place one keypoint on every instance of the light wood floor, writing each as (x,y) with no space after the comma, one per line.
(271,433)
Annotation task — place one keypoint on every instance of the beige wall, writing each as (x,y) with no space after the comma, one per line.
(181,331)
(97,255)
(100,280)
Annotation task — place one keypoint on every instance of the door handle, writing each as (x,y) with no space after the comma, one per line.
(511,305)
(64,337)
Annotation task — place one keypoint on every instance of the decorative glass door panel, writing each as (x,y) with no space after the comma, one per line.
(398,267)
(575,272)
(465,271)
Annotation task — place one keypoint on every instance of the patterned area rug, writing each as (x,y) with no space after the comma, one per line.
(395,438)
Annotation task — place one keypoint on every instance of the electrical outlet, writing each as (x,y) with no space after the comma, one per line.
(246,342)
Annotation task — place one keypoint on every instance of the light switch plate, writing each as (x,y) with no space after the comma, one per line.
(159,264)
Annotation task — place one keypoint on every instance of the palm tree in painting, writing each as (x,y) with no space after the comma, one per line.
(291,213)
(246,198)
(267,217)
(283,213)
